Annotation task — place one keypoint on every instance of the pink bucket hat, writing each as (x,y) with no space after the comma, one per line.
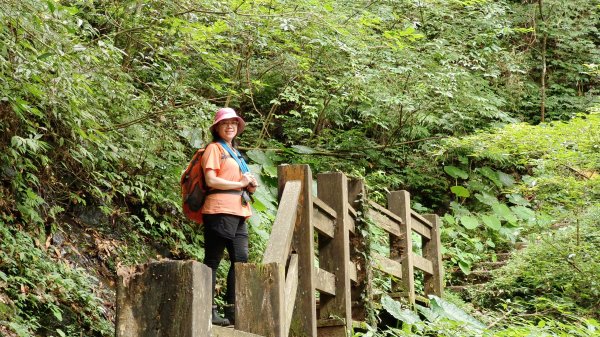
(228,113)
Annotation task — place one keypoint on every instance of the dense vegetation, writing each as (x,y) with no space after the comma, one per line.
(486,111)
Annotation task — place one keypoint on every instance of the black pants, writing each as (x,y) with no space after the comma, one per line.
(225,231)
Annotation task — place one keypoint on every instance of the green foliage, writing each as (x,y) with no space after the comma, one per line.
(103,103)
(556,273)
(42,295)
(553,173)
(446,319)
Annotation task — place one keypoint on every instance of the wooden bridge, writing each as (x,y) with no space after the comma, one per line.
(315,278)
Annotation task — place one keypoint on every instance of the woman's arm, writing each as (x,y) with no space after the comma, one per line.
(217,183)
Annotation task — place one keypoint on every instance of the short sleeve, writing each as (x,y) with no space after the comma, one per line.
(211,159)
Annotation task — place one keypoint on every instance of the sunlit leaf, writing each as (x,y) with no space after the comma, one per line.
(395,309)
(460,191)
(491,221)
(469,222)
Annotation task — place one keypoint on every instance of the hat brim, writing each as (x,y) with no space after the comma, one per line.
(241,124)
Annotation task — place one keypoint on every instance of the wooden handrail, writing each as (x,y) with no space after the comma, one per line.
(280,241)
(291,286)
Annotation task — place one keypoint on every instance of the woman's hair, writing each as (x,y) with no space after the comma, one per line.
(216,138)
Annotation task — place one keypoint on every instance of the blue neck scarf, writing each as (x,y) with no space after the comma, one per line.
(236,156)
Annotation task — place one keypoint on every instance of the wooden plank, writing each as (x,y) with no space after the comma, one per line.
(323,223)
(421,225)
(327,322)
(325,208)
(324,281)
(219,331)
(332,189)
(351,210)
(350,222)
(423,264)
(260,298)
(304,320)
(386,265)
(352,271)
(399,204)
(361,271)
(421,219)
(280,241)
(432,250)
(291,286)
(424,231)
(386,212)
(164,299)
(384,222)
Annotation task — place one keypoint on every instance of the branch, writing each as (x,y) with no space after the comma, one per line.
(343,153)
(150,115)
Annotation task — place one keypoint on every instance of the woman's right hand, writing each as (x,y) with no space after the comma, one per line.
(247,179)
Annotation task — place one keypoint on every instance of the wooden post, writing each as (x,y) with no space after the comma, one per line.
(164,299)
(432,251)
(401,248)
(304,319)
(334,256)
(361,290)
(260,299)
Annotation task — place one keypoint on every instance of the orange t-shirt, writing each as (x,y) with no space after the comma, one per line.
(216,158)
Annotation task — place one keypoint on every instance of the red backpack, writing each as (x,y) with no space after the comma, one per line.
(193,188)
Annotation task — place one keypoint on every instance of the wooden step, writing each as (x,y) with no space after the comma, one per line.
(219,331)
(489,265)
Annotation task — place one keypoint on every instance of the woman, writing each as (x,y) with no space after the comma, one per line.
(226,206)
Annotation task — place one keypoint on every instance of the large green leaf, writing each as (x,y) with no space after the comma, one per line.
(455,172)
(486,198)
(503,211)
(452,312)
(506,179)
(523,213)
(491,175)
(460,191)
(395,309)
(303,149)
(491,221)
(469,222)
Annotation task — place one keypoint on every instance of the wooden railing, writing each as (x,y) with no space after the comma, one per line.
(277,297)
(316,273)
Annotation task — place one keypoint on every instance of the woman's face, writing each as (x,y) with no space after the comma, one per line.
(227,129)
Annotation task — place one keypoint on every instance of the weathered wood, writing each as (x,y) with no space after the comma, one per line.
(332,188)
(350,222)
(432,250)
(423,264)
(164,299)
(324,281)
(386,265)
(260,297)
(291,286)
(395,218)
(421,225)
(351,209)
(420,218)
(361,272)
(384,222)
(323,223)
(352,271)
(280,242)
(327,322)
(304,321)
(399,204)
(218,331)
(331,213)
